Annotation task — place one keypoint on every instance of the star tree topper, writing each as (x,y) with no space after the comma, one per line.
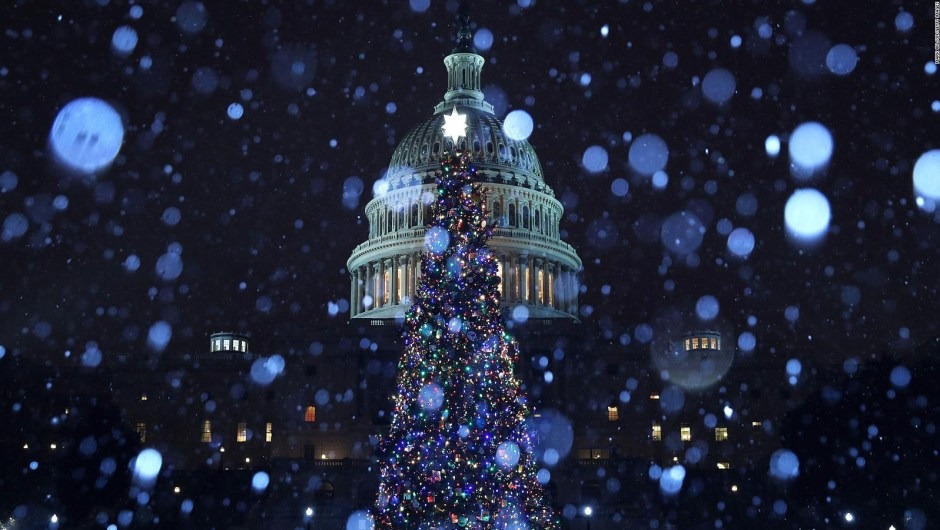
(455,125)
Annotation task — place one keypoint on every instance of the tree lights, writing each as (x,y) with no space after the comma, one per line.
(458,454)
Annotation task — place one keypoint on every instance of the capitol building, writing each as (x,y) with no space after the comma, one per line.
(537,269)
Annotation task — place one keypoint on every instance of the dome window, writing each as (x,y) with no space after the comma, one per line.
(525,217)
(512,215)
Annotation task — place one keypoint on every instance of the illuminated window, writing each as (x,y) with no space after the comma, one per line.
(657,432)
(613,414)
(206,431)
(654,396)
(399,285)
(142,431)
(242,434)
(721,434)
(218,345)
(726,465)
(685,433)
(756,426)
(310,415)
(385,289)
(226,344)
(244,345)
(714,343)
(695,343)
(143,397)
(268,432)
(593,454)
(687,344)
(551,289)
(538,287)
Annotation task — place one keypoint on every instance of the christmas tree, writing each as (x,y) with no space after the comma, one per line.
(458,454)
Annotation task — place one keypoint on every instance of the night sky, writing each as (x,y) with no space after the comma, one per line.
(255,209)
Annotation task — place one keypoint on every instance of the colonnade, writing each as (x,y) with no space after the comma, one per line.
(524,279)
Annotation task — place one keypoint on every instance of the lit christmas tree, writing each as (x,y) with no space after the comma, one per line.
(458,454)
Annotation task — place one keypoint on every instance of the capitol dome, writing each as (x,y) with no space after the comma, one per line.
(417,158)
(537,269)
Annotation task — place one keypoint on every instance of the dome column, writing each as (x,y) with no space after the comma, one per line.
(361,287)
(393,282)
(556,268)
(374,284)
(406,279)
(546,283)
(383,285)
(538,278)
(572,293)
(352,293)
(530,280)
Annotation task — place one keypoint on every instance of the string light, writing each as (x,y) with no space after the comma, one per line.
(458,452)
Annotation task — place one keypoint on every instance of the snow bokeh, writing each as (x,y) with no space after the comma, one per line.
(807,214)
(87,135)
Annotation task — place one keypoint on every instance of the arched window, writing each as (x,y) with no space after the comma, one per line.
(401,217)
(414,214)
(525,217)
(497,211)
(310,415)
(538,218)
(512,215)
(388,221)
